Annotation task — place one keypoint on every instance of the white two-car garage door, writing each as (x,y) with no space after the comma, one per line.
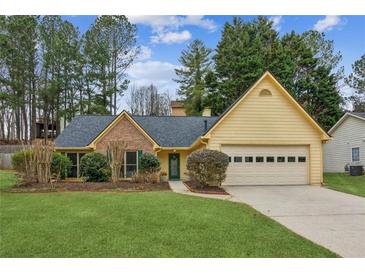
(267,165)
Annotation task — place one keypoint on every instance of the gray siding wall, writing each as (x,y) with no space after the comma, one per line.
(6,151)
(337,152)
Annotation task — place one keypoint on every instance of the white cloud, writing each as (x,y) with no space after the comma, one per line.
(199,21)
(328,23)
(153,72)
(276,22)
(145,53)
(171,37)
(158,22)
(165,29)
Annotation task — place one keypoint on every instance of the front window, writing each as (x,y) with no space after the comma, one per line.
(130,163)
(355,154)
(73,158)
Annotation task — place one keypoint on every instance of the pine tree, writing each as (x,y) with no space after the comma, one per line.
(356,80)
(196,64)
(17,65)
(245,51)
(302,63)
(110,48)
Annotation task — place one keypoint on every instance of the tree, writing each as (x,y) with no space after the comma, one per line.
(147,101)
(245,51)
(110,48)
(196,64)
(302,63)
(17,65)
(59,46)
(48,72)
(356,80)
(323,49)
(320,97)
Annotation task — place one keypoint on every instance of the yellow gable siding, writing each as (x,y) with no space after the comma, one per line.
(269,120)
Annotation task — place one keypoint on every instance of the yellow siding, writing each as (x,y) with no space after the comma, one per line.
(164,158)
(269,120)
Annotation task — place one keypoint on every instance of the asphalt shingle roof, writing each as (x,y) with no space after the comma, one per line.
(167,131)
(360,114)
(174,131)
(82,130)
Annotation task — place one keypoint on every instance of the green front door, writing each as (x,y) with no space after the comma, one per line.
(174,166)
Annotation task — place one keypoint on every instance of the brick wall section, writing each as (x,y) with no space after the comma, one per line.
(125,130)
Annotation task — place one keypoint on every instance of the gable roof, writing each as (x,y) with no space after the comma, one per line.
(358,115)
(174,131)
(316,125)
(115,121)
(166,131)
(82,130)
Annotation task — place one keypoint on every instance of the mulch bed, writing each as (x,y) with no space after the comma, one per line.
(198,188)
(125,186)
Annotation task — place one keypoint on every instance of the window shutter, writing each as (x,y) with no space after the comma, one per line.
(140,153)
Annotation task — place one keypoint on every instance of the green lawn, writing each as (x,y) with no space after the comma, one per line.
(345,183)
(154,224)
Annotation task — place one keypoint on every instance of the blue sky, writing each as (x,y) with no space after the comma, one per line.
(162,38)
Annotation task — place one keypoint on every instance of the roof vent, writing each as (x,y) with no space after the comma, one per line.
(205,125)
(265,92)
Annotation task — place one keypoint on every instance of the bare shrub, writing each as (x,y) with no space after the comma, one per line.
(116,150)
(43,153)
(25,163)
(146,177)
(138,178)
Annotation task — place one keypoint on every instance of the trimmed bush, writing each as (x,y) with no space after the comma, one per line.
(18,160)
(94,167)
(60,166)
(207,167)
(149,163)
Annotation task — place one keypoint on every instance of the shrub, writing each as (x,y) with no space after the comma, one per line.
(207,167)
(149,163)
(146,177)
(94,167)
(138,178)
(18,160)
(60,165)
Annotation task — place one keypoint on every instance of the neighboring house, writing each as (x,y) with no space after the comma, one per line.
(268,136)
(348,143)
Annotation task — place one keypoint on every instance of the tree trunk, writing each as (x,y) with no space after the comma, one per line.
(34,111)
(25,123)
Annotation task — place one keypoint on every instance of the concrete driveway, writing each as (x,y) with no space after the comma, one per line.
(332,219)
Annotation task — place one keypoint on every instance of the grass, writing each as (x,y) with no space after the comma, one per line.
(345,183)
(150,224)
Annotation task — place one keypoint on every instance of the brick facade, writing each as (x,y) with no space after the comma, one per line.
(125,130)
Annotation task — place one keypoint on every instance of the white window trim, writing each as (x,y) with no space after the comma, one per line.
(125,163)
(77,163)
(352,158)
